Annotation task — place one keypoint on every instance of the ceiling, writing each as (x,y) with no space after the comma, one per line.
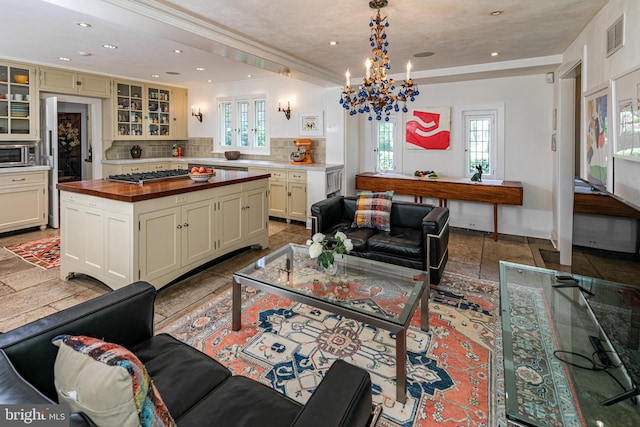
(234,39)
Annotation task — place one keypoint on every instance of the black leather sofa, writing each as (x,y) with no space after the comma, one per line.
(197,390)
(419,235)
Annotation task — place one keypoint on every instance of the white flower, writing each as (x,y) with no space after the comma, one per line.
(348,245)
(309,242)
(318,237)
(340,235)
(315,249)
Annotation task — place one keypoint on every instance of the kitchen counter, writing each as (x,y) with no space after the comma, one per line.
(129,192)
(25,169)
(241,163)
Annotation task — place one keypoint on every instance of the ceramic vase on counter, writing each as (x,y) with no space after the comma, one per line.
(136,151)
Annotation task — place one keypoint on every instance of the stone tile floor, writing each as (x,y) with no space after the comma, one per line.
(28,292)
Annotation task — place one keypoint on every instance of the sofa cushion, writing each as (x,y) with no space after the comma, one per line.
(358,236)
(182,374)
(373,210)
(107,382)
(13,388)
(400,241)
(242,402)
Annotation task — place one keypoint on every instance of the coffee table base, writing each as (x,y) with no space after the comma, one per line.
(401,332)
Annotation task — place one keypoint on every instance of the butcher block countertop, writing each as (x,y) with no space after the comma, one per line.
(129,192)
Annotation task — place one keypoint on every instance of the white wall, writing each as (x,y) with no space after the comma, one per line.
(304,98)
(599,70)
(527,102)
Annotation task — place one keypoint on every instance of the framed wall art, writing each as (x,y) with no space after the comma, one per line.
(311,124)
(428,129)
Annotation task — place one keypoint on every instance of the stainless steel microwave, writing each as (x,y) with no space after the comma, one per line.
(17,154)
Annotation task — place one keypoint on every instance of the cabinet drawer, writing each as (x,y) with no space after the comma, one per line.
(278,174)
(134,168)
(297,176)
(158,166)
(21,178)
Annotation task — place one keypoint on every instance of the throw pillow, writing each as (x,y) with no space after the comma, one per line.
(108,383)
(373,210)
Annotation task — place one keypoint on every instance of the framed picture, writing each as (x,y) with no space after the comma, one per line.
(311,124)
(597,138)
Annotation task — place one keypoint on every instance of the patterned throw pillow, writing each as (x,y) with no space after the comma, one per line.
(108,383)
(373,210)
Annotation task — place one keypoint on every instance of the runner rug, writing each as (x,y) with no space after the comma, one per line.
(44,253)
(454,371)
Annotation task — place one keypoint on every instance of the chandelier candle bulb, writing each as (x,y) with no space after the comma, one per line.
(348,78)
(408,70)
(367,64)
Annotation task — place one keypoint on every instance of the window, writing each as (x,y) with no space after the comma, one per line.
(243,124)
(386,147)
(480,133)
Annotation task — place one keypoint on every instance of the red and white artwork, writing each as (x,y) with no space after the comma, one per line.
(429,129)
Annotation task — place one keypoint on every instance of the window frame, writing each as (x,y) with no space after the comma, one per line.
(396,143)
(496,145)
(255,123)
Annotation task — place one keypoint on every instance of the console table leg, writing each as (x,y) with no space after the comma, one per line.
(424,308)
(236,323)
(401,366)
(495,222)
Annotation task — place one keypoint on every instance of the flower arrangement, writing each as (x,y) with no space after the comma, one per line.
(68,136)
(319,248)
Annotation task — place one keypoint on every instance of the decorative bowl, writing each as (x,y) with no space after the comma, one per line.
(232,155)
(201,177)
(21,78)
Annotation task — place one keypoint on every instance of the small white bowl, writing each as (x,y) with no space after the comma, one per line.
(200,177)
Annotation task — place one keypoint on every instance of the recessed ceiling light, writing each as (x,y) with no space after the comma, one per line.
(64,58)
(423,54)
(155,76)
(496,13)
(83,25)
(209,81)
(82,53)
(109,46)
(333,43)
(177,51)
(173,73)
(249,75)
(495,53)
(199,69)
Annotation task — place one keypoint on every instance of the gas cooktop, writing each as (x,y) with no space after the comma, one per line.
(143,177)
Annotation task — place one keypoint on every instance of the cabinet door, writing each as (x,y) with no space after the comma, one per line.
(297,201)
(160,116)
(198,231)
(82,237)
(22,207)
(159,243)
(18,112)
(180,113)
(99,86)
(256,212)
(129,111)
(278,198)
(231,232)
(118,248)
(57,80)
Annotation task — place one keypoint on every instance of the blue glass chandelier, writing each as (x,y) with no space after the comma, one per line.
(375,96)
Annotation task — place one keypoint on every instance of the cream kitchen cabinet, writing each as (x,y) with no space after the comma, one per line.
(287,193)
(147,112)
(176,237)
(243,214)
(180,113)
(24,200)
(138,167)
(18,112)
(65,81)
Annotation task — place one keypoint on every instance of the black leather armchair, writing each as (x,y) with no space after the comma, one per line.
(419,235)
(197,390)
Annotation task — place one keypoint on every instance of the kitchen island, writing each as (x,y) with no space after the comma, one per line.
(119,232)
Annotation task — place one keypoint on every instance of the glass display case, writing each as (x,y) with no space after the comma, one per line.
(17,116)
(129,114)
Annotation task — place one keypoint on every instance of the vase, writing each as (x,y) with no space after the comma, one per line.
(332,269)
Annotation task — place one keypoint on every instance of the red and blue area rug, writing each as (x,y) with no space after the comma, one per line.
(454,371)
(44,253)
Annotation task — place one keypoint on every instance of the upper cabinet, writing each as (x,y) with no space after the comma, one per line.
(18,114)
(150,112)
(63,81)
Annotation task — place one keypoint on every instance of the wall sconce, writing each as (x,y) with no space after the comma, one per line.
(197,115)
(286,112)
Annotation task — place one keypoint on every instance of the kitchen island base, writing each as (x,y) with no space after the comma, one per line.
(159,239)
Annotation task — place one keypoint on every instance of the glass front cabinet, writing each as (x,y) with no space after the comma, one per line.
(18,115)
(143,112)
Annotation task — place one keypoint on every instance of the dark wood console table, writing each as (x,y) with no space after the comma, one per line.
(504,193)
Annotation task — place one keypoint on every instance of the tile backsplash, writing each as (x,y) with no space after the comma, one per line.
(281,149)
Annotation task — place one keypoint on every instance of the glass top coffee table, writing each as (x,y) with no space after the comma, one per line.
(571,348)
(373,292)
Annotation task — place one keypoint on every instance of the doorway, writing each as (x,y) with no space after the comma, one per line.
(72,142)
